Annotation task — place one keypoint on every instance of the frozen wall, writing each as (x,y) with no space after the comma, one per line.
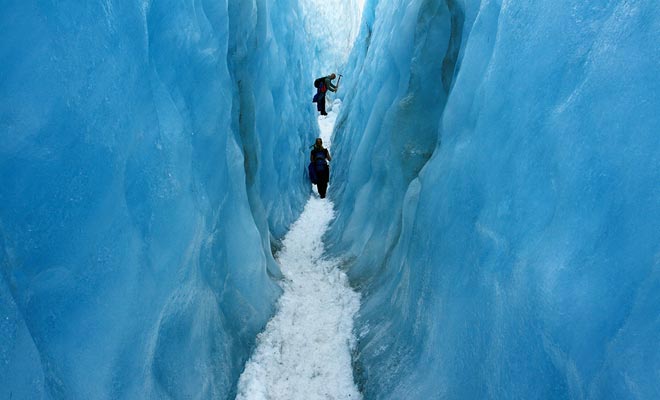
(522,261)
(135,218)
(330,27)
(496,172)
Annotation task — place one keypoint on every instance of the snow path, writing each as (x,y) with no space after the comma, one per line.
(305,351)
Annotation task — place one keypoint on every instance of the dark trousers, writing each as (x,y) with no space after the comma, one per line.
(322,187)
(322,177)
(320,104)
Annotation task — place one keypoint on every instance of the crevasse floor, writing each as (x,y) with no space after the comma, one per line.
(305,350)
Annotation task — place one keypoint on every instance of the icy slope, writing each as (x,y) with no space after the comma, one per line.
(522,261)
(140,190)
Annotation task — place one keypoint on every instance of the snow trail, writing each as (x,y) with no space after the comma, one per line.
(305,351)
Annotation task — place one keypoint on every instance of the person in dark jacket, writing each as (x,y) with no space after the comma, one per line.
(322,90)
(319,157)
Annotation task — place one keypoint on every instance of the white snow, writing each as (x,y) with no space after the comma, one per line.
(327,123)
(305,351)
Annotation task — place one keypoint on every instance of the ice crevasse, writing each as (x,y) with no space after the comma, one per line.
(146,178)
(501,199)
(496,177)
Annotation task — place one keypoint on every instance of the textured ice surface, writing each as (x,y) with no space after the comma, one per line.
(496,170)
(523,260)
(331,27)
(305,351)
(147,157)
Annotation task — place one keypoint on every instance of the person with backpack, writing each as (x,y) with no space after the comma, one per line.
(322,85)
(319,170)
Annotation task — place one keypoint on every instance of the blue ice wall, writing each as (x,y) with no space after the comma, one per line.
(272,111)
(398,86)
(330,28)
(521,261)
(135,222)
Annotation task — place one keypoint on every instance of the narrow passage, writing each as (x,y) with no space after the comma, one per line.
(305,351)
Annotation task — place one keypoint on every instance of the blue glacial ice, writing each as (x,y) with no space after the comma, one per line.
(500,199)
(138,201)
(496,177)
(330,28)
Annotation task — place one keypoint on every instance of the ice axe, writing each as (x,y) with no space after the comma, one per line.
(338,80)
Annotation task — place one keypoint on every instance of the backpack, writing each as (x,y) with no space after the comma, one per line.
(319,83)
(319,156)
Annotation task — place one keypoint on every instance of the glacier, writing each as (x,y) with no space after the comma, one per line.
(331,27)
(148,170)
(500,199)
(305,351)
(495,181)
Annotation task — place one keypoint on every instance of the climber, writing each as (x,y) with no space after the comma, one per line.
(322,85)
(319,171)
